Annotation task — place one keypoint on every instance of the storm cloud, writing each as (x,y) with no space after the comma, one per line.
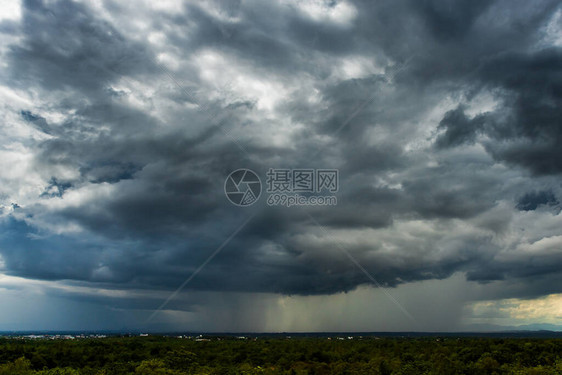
(120,124)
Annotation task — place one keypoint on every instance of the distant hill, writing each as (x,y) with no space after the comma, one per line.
(525,327)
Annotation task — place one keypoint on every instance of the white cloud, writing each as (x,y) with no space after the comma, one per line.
(515,311)
(342,13)
(553,31)
(10,10)
(354,67)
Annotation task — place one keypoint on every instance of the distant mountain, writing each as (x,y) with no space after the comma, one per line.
(525,327)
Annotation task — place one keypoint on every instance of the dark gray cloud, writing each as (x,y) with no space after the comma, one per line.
(459,129)
(438,115)
(448,20)
(530,201)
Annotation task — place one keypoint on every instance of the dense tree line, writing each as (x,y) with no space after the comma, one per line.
(163,355)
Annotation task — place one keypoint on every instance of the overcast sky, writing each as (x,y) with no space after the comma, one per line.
(120,122)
